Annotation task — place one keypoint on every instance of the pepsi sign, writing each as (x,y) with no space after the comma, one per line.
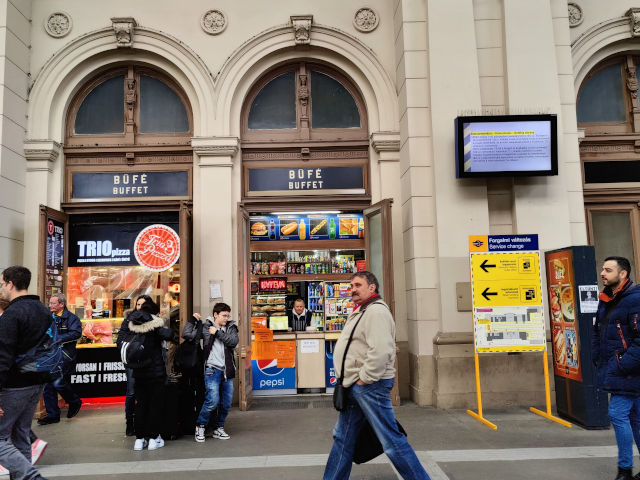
(329,371)
(268,376)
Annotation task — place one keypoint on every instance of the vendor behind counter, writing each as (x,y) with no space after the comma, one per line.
(299,317)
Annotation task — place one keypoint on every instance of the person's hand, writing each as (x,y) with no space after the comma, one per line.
(197,316)
(360,382)
(212,330)
(1,412)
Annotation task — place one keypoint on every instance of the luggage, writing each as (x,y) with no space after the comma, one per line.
(171,417)
(191,398)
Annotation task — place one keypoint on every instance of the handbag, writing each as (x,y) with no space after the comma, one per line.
(189,358)
(340,391)
(367,445)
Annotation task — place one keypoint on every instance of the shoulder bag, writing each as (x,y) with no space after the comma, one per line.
(189,355)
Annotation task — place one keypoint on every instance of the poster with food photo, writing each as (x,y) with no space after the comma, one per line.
(350,226)
(562,306)
(291,228)
(318,227)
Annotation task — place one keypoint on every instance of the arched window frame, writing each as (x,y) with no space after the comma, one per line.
(304,133)
(131,136)
(627,64)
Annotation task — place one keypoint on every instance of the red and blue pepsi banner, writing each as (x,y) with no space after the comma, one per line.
(267,375)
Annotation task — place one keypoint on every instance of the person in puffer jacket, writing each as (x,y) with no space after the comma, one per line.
(220,337)
(616,354)
(150,377)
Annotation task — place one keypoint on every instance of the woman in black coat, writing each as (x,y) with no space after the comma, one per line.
(150,375)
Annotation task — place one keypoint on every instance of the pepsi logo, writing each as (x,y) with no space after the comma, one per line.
(333,381)
(269,367)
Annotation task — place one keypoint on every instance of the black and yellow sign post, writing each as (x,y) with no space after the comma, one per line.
(508,315)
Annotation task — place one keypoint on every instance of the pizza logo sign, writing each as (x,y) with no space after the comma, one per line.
(157,248)
(50,228)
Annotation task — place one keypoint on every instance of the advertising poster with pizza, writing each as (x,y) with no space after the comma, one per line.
(563,317)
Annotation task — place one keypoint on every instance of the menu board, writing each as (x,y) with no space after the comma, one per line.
(54,273)
(562,305)
(306,227)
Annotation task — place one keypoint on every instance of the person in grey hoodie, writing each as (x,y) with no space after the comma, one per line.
(220,337)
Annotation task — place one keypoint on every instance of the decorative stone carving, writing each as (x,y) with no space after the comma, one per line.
(123,27)
(303,96)
(58,24)
(302,28)
(632,81)
(575,14)
(634,19)
(130,98)
(366,19)
(214,22)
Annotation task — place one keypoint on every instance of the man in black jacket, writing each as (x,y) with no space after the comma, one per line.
(69,331)
(23,325)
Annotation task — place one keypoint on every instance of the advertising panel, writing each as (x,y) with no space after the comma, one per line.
(99,373)
(54,268)
(306,227)
(267,375)
(562,305)
(329,371)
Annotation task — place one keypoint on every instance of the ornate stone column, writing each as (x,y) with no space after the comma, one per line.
(41,156)
(214,215)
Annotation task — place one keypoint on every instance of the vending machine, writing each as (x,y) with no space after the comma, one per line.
(572,284)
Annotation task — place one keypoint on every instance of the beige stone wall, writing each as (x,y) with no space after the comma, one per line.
(14,67)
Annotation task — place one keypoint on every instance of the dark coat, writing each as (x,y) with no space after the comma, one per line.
(23,325)
(299,323)
(229,339)
(154,332)
(616,342)
(69,331)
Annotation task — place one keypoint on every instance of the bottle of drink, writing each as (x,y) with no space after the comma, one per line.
(272,229)
(302,232)
(332,228)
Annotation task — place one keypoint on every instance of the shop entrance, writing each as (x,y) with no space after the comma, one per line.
(304,258)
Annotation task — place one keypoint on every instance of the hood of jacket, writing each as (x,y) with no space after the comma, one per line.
(143,322)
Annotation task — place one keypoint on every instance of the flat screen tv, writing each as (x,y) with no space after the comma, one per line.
(506,146)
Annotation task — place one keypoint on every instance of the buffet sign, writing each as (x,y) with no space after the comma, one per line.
(305,181)
(93,186)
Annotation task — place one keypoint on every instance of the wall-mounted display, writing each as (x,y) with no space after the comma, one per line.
(307,227)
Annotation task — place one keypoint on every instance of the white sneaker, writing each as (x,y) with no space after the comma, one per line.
(156,443)
(37,449)
(140,444)
(220,434)
(199,433)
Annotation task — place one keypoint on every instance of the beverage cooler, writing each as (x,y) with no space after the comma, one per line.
(572,284)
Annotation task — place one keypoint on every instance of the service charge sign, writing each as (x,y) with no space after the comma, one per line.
(506,293)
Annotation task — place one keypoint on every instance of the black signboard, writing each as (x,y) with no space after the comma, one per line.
(129,185)
(55,244)
(105,244)
(306,181)
(99,373)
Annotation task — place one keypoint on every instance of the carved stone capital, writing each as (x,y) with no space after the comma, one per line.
(123,27)
(41,154)
(634,21)
(215,151)
(302,28)
(385,141)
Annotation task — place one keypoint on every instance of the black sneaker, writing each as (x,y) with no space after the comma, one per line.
(130,432)
(74,408)
(624,474)
(48,420)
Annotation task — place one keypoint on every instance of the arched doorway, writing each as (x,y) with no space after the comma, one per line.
(306,214)
(608,111)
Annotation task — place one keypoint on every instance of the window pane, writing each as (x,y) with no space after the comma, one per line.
(602,99)
(102,111)
(332,106)
(375,250)
(161,110)
(275,105)
(606,244)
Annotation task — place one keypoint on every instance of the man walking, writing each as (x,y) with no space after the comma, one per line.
(23,325)
(369,374)
(69,331)
(616,352)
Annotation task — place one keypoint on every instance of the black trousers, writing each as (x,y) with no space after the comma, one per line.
(149,396)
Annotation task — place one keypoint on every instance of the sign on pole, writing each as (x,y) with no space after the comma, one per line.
(506,291)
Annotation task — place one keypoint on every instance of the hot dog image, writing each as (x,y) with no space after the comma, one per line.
(289,228)
(317,228)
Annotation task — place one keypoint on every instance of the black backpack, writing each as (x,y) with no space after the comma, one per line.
(46,358)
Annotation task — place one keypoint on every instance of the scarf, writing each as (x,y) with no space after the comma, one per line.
(607,295)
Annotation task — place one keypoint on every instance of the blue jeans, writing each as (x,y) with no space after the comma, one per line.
(372,402)
(19,405)
(624,413)
(62,386)
(218,394)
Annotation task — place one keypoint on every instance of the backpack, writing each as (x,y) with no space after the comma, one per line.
(46,358)
(189,356)
(132,351)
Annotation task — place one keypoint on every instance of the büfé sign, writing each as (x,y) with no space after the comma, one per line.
(305,181)
(126,185)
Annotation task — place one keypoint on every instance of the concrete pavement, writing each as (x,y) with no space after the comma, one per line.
(293,443)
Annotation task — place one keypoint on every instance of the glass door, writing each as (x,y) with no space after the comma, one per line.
(245,379)
(614,229)
(379,247)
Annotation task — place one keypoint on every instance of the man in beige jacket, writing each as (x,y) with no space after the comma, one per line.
(368,376)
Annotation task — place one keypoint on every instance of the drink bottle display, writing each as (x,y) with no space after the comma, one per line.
(302,233)
(332,228)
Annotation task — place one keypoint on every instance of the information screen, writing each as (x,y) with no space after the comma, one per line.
(511,145)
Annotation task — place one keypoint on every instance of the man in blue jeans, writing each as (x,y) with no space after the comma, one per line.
(616,353)
(24,325)
(69,331)
(369,374)
(220,337)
